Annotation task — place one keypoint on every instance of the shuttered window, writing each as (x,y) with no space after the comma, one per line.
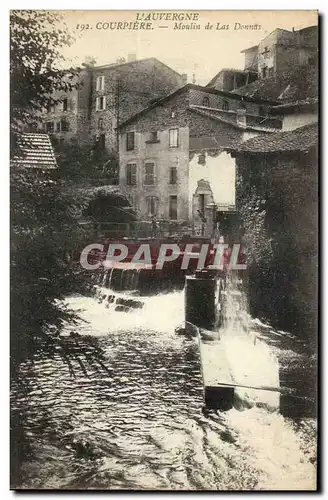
(173,175)
(100,103)
(149,173)
(174,138)
(100,83)
(173,207)
(130,141)
(131,174)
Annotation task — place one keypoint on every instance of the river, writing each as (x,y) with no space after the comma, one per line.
(140,426)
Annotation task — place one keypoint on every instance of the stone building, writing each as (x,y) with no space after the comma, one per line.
(297,114)
(230,79)
(282,172)
(105,96)
(282,50)
(173,162)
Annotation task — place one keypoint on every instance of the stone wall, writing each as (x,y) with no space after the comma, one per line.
(283,253)
(128,89)
(173,113)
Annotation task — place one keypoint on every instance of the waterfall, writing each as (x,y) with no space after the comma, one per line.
(251,360)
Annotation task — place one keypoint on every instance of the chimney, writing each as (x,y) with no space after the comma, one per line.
(184,78)
(132,57)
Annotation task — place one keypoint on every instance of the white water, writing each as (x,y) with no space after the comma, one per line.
(269,441)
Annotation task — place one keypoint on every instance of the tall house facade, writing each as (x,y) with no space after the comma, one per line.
(106,96)
(172,154)
(283,50)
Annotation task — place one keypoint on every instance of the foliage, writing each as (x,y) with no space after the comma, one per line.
(44,225)
(82,164)
(274,204)
(44,236)
(36,38)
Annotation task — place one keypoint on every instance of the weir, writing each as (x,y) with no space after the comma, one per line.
(218,312)
(237,367)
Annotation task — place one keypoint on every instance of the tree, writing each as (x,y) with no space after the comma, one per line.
(36,39)
(44,227)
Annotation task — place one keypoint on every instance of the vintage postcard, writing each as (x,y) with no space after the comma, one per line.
(164,250)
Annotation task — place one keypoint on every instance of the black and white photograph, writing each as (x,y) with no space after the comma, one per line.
(164,250)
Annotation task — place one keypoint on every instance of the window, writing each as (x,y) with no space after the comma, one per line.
(149,173)
(153,137)
(173,175)
(64,126)
(264,72)
(241,117)
(50,127)
(131,174)
(100,83)
(50,108)
(151,205)
(58,127)
(65,104)
(100,103)
(174,137)
(102,141)
(130,141)
(225,105)
(206,101)
(173,207)
(101,123)
(201,203)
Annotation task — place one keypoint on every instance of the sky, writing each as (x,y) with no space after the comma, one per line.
(201,52)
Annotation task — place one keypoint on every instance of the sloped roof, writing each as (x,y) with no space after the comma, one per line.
(297,84)
(216,114)
(304,104)
(268,88)
(34,151)
(186,87)
(119,65)
(227,70)
(206,143)
(299,140)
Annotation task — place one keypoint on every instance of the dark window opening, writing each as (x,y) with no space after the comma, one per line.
(101,123)
(173,207)
(153,136)
(202,159)
(131,174)
(264,72)
(65,104)
(225,105)
(102,141)
(64,126)
(201,203)
(206,101)
(58,127)
(173,175)
(50,127)
(130,141)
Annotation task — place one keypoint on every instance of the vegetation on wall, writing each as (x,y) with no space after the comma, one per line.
(279,231)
